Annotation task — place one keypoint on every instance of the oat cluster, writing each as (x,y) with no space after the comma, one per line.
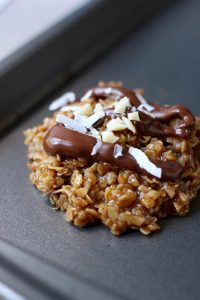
(90,192)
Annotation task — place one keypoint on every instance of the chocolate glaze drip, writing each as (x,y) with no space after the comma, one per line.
(60,140)
(114,93)
(147,124)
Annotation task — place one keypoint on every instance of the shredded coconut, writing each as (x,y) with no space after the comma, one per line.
(144,162)
(97,147)
(142,108)
(109,90)
(117,151)
(69,97)
(80,119)
(70,107)
(71,124)
(133,109)
(147,106)
(94,132)
(141,98)
(87,95)
(94,118)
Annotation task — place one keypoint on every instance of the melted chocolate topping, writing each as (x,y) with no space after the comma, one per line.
(60,140)
(162,113)
(74,144)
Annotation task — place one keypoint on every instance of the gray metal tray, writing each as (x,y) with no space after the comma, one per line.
(42,65)
(164,59)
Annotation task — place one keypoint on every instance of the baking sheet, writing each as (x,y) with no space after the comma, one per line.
(63,50)
(164,59)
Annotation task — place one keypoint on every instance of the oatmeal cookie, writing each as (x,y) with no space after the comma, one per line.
(113,157)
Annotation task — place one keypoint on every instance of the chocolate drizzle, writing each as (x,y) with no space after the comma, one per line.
(60,140)
(148,125)
(74,144)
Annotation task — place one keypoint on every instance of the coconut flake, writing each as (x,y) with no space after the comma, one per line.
(117,151)
(68,97)
(80,119)
(94,118)
(70,107)
(94,132)
(141,98)
(87,95)
(89,121)
(144,162)
(148,107)
(133,109)
(142,108)
(109,90)
(71,124)
(97,147)
(143,101)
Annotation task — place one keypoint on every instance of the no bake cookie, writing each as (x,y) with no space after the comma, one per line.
(113,157)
